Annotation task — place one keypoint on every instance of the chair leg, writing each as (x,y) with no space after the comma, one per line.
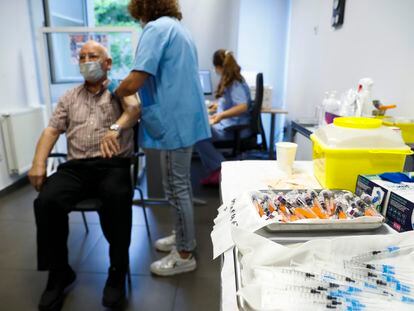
(144,210)
(85,222)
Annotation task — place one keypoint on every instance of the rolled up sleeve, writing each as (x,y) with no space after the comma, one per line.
(150,50)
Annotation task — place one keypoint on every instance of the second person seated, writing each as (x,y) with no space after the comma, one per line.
(231,108)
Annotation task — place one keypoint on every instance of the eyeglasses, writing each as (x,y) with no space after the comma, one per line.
(88,57)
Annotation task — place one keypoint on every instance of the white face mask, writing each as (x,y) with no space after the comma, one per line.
(92,71)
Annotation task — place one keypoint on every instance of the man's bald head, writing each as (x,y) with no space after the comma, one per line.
(94,62)
(92,46)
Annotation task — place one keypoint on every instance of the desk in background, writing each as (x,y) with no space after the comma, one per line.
(273,112)
(305,128)
(299,132)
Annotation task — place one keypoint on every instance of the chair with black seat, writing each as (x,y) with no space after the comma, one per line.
(239,145)
(95,204)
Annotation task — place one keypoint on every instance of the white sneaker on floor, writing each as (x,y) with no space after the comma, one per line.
(173,264)
(166,244)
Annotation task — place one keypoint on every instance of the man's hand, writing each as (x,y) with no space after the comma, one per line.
(37,176)
(110,144)
(214,119)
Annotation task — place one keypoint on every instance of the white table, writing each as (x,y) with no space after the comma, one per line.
(236,178)
(240,176)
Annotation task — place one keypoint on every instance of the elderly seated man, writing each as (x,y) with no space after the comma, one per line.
(99,144)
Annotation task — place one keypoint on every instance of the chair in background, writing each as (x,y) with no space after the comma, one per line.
(239,145)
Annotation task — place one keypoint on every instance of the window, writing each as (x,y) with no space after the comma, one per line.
(60,13)
(64,46)
(113,13)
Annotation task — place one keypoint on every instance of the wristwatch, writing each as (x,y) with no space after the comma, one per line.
(115,127)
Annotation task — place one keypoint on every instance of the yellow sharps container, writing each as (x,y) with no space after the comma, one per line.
(352,146)
(405,124)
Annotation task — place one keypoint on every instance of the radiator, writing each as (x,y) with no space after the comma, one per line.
(21,131)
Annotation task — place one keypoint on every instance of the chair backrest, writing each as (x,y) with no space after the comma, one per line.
(255,121)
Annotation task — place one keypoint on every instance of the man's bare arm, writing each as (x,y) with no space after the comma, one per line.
(131,113)
(37,174)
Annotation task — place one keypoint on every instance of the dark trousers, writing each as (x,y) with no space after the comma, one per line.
(106,179)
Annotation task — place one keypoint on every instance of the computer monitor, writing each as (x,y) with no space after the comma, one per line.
(205,79)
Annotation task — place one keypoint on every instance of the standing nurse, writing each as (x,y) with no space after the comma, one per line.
(173,117)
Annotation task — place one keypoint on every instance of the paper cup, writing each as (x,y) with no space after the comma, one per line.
(285,155)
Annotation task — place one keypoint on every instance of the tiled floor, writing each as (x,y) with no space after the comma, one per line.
(21,285)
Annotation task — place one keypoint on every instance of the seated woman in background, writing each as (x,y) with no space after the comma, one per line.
(231,108)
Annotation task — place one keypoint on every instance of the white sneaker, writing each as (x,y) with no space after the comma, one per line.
(173,264)
(166,244)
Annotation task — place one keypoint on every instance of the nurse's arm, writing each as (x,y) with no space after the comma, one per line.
(229,113)
(234,111)
(131,84)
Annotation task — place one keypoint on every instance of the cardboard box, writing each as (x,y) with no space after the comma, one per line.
(396,202)
(400,210)
(375,187)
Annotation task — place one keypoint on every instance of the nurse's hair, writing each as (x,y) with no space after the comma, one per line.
(150,10)
(231,70)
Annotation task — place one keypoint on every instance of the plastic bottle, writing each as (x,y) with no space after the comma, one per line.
(364,104)
(333,105)
(320,110)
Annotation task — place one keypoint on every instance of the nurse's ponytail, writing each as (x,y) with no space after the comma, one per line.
(231,70)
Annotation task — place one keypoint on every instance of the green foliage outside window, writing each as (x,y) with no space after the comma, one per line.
(112,13)
(115,13)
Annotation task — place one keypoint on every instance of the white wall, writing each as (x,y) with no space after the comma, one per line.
(18,79)
(262,46)
(213,25)
(376,40)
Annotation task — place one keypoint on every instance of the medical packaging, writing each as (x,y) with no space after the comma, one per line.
(355,273)
(394,200)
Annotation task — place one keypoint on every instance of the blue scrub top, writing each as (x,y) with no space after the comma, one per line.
(173,110)
(236,94)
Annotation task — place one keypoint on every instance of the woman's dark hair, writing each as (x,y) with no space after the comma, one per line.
(150,10)
(231,70)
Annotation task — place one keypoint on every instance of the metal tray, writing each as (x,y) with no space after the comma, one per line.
(341,225)
(241,303)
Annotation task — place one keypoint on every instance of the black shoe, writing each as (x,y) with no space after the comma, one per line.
(114,291)
(52,297)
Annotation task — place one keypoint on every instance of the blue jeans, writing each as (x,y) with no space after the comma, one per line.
(175,167)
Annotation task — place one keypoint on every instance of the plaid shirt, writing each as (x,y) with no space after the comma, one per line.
(86,117)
